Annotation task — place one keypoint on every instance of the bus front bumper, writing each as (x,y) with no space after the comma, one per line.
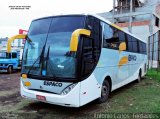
(70,100)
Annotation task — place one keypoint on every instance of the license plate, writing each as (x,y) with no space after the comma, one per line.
(41,98)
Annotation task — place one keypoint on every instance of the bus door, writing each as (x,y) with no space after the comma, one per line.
(88,56)
(89,47)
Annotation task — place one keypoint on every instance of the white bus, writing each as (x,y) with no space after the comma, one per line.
(71,60)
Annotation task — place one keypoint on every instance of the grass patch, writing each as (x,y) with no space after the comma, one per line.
(153,73)
(134,98)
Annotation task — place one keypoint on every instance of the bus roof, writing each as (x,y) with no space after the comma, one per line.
(96,16)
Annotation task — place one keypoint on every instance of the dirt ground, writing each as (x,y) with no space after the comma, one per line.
(13,106)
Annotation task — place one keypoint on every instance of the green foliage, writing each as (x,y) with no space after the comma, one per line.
(153,73)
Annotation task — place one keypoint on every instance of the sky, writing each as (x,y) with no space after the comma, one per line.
(13,20)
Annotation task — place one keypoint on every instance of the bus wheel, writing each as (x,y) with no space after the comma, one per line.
(104,92)
(139,77)
(9,70)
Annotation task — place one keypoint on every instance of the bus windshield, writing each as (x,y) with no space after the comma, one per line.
(47,45)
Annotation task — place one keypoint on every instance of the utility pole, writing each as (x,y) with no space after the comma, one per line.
(130,16)
(159,51)
(114,4)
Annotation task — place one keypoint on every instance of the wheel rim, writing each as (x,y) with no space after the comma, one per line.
(104,91)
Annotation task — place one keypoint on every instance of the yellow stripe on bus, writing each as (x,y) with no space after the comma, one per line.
(123,61)
(114,25)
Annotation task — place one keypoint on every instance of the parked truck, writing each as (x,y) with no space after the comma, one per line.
(10,61)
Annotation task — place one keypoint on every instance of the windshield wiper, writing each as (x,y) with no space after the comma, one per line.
(32,65)
(42,58)
(47,62)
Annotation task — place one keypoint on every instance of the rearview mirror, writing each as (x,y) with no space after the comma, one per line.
(74,38)
(10,40)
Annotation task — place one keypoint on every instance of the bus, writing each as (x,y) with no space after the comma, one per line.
(71,60)
(10,61)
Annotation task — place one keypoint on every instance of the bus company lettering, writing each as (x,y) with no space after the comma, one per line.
(52,83)
(132,58)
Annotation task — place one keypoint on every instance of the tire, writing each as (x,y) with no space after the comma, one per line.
(10,69)
(139,77)
(105,91)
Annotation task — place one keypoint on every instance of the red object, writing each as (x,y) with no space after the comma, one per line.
(21,31)
(137,23)
(42,98)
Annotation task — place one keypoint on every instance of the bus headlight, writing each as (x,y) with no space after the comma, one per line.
(68,89)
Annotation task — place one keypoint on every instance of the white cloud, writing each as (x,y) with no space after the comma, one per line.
(12,20)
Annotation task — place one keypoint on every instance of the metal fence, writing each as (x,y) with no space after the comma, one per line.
(154,51)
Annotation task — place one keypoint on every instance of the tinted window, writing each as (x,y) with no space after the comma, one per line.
(39,26)
(121,36)
(93,24)
(134,44)
(129,43)
(66,24)
(14,55)
(144,48)
(140,47)
(8,55)
(110,37)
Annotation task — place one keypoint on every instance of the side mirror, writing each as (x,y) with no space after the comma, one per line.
(122,47)
(75,36)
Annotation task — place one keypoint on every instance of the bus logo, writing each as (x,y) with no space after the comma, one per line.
(52,83)
(132,58)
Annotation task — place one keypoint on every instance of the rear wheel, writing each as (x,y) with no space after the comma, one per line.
(10,69)
(104,92)
(139,77)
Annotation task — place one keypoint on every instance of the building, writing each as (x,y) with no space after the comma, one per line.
(3,42)
(19,42)
(16,44)
(140,17)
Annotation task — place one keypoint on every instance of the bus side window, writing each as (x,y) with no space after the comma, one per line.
(129,45)
(135,44)
(122,37)
(144,48)
(8,55)
(14,55)
(110,37)
(141,47)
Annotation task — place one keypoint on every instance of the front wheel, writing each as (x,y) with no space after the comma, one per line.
(104,92)
(9,70)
